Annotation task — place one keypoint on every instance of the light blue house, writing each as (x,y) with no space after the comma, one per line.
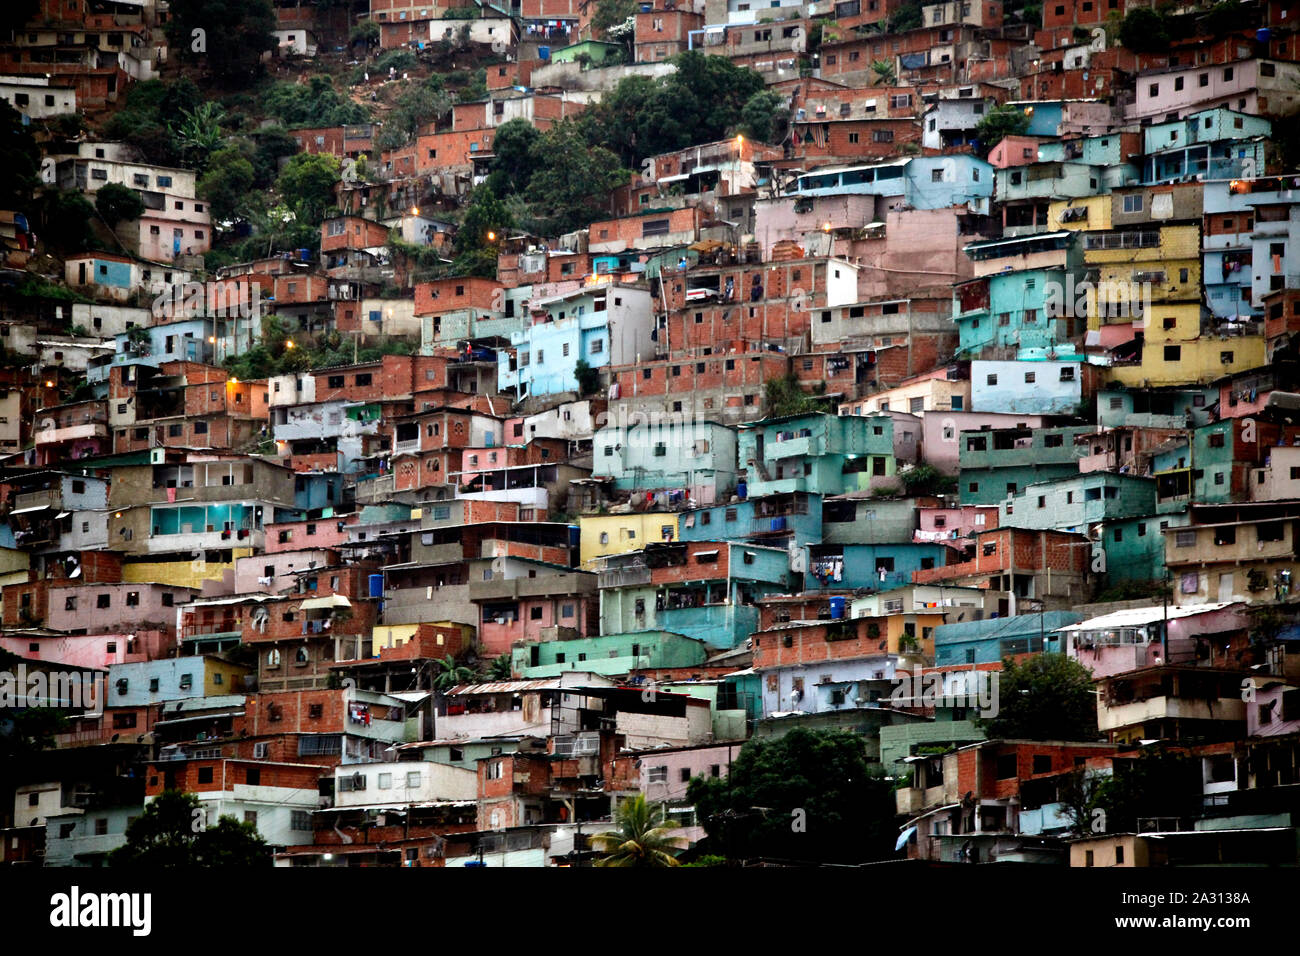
(1077,502)
(1255,248)
(671,451)
(991,640)
(774,520)
(923,182)
(604,324)
(818,453)
(876,567)
(1015,309)
(1212,144)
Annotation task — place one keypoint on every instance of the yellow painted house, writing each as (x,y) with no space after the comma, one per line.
(601,535)
(385,636)
(183,571)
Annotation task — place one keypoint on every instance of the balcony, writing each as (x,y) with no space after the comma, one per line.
(45,498)
(82,432)
(1048,818)
(551,585)
(637,576)
(210,540)
(1138,712)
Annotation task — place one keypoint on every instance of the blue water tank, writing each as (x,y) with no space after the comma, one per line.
(575,535)
(778,524)
(1263,35)
(543,53)
(837,607)
(742,489)
(304,255)
(376,585)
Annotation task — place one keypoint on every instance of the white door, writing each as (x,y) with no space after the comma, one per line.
(1225,588)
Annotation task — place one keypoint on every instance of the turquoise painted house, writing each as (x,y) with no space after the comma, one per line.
(1000,462)
(774,520)
(610,655)
(991,640)
(820,453)
(877,567)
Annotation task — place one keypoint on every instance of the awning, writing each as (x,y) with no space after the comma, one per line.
(28,510)
(904,837)
(190,720)
(323,603)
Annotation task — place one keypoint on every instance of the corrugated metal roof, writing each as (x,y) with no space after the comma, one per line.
(1137,616)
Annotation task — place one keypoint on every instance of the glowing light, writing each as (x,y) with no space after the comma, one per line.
(415,210)
(492,236)
(212,340)
(234,381)
(288,343)
(48,383)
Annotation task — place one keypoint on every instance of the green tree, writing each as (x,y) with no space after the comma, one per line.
(234,35)
(573,180)
(271,144)
(1144,30)
(999,123)
(611,13)
(501,668)
(1048,697)
(67,217)
(765,117)
(699,103)
(485,222)
(1157,783)
(639,839)
(926,480)
(415,108)
(588,377)
(807,796)
(451,672)
(117,203)
(171,833)
(199,134)
(145,119)
(317,103)
(513,154)
(20,158)
(226,184)
(307,185)
(784,397)
(883,73)
(365,33)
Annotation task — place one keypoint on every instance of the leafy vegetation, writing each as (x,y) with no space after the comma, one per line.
(640,838)
(117,203)
(1048,697)
(807,796)
(999,123)
(170,833)
(785,397)
(701,102)
(233,36)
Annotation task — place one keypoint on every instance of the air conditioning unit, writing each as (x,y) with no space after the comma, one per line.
(157,456)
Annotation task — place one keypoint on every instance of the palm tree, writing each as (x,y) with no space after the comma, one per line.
(499,669)
(452,673)
(199,132)
(637,841)
(885,74)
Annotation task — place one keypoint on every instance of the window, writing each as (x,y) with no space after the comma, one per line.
(103,600)
(1173,353)
(658,775)
(1133,203)
(205,775)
